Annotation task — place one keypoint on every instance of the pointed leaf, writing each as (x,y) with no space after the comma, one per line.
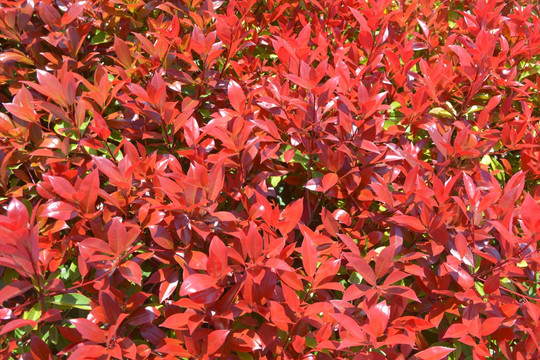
(362,267)
(195,283)
(236,96)
(131,271)
(434,353)
(215,340)
(309,255)
(88,192)
(409,222)
(16,288)
(117,236)
(89,330)
(59,210)
(16,324)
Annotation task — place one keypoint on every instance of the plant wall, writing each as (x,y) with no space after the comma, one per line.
(279,179)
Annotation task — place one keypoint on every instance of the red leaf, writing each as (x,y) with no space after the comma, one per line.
(117,236)
(16,288)
(131,271)
(461,245)
(402,291)
(291,216)
(17,214)
(315,184)
(216,340)
(456,331)
(350,325)
(99,126)
(309,255)
(110,307)
(362,267)
(50,87)
(89,330)
(87,352)
(62,187)
(465,60)
(328,181)
(378,318)
(40,350)
(490,325)
(96,245)
(59,210)
(384,261)
(217,259)
(380,188)
(492,284)
(253,242)
(326,272)
(108,168)
(470,188)
(195,283)
(167,287)
(216,180)
(143,316)
(434,353)
(162,237)
(236,96)
(279,316)
(409,222)
(87,192)
(16,324)
(122,51)
(530,211)
(460,275)
(75,10)
(177,321)
(512,190)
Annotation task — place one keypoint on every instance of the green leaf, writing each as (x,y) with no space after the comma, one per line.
(439,111)
(480,288)
(99,38)
(522,264)
(244,356)
(311,342)
(33,314)
(73,300)
(475,108)
(355,278)
(274,180)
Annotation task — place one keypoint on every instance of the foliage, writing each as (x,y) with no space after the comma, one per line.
(280,179)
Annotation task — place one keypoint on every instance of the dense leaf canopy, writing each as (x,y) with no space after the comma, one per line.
(279,179)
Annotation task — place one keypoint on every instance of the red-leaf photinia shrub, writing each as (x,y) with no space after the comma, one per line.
(279,179)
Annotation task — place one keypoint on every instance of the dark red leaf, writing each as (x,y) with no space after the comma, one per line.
(131,271)
(16,288)
(167,287)
(122,51)
(110,307)
(39,348)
